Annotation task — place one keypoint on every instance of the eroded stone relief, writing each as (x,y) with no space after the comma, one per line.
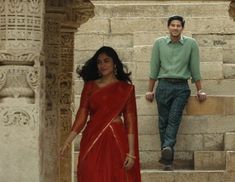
(21,24)
(18,117)
(19,78)
(232,9)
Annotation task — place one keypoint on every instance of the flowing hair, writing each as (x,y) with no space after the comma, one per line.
(89,70)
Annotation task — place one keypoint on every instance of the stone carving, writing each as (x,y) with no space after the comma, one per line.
(65,99)
(18,117)
(76,12)
(21,24)
(19,77)
(232,10)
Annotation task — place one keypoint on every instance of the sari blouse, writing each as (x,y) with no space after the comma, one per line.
(86,108)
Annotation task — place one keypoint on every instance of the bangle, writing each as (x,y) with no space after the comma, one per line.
(131,156)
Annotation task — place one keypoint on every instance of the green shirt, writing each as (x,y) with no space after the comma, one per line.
(175,60)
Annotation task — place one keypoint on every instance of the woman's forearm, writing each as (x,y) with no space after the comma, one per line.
(131,142)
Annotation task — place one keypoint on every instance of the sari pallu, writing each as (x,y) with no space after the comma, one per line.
(104,143)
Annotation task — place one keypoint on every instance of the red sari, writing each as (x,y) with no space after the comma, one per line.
(104,143)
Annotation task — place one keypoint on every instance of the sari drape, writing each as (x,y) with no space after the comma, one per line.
(104,143)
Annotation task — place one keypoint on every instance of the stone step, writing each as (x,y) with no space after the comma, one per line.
(209,70)
(182,160)
(153,175)
(149,160)
(195,142)
(217,25)
(142,53)
(202,124)
(159,8)
(214,105)
(185,176)
(212,87)
(123,25)
(209,160)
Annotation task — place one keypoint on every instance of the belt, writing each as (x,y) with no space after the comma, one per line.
(174,80)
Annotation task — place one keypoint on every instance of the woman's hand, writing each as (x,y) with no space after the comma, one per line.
(63,149)
(129,161)
(149,96)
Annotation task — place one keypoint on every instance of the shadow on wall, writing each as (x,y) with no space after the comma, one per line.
(231,10)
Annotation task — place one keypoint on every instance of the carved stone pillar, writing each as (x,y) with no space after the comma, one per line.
(21,42)
(62,19)
(36,64)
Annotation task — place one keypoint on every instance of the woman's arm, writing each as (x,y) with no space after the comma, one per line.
(130,121)
(80,121)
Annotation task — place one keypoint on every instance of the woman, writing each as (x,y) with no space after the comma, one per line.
(109,144)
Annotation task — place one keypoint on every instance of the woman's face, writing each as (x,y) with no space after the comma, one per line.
(105,65)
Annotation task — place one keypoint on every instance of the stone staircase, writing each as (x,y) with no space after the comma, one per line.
(205,149)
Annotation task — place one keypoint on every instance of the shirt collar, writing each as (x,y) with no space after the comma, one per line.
(168,40)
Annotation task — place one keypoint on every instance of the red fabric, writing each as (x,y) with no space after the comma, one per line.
(104,143)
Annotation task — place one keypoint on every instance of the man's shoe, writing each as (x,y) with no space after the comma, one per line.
(167,154)
(168,168)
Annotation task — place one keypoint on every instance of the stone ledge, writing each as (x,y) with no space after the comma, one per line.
(209,160)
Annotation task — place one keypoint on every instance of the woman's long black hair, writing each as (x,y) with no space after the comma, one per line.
(89,70)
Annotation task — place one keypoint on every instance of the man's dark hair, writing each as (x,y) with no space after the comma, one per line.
(176,17)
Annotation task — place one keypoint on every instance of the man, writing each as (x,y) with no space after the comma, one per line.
(175,59)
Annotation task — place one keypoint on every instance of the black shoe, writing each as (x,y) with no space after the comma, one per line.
(167,154)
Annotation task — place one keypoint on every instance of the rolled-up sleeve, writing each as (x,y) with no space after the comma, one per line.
(195,63)
(155,61)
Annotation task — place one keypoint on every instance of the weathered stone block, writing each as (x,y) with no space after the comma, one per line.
(229,71)
(147,125)
(229,141)
(118,41)
(230,161)
(142,54)
(229,105)
(229,56)
(95,25)
(144,107)
(89,41)
(212,106)
(156,176)
(216,87)
(158,9)
(212,70)
(195,25)
(195,176)
(210,40)
(211,54)
(209,160)
(142,70)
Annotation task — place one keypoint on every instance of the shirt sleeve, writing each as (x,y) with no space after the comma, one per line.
(130,114)
(83,111)
(155,61)
(195,63)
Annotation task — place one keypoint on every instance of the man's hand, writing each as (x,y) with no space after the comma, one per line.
(149,96)
(201,96)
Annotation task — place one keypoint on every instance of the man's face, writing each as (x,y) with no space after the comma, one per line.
(175,28)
